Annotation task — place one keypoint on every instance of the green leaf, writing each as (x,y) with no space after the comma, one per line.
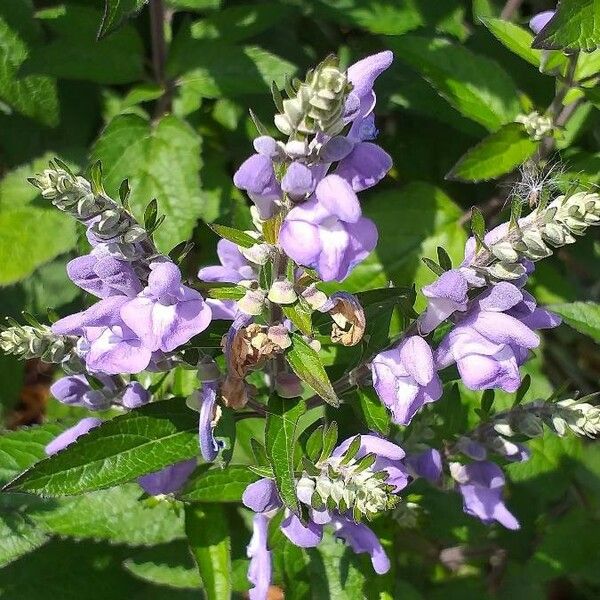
(75,53)
(170,565)
(496,155)
(116,515)
(412,223)
(299,317)
(575,26)
(144,153)
(214,69)
(582,316)
(142,441)
(18,536)
(241,238)
(306,363)
(30,235)
(370,408)
(116,12)
(474,85)
(514,37)
(207,531)
(200,5)
(238,23)
(227,292)
(33,96)
(280,444)
(217,485)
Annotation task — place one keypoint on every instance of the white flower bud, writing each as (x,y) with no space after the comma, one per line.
(282,292)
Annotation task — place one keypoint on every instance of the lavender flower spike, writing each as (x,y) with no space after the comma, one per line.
(480,484)
(405,378)
(69,436)
(166,314)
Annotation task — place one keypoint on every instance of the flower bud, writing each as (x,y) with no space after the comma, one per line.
(253,302)
(314,297)
(282,292)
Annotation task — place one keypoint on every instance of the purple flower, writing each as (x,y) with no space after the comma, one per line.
(298,181)
(134,395)
(493,338)
(67,437)
(405,378)
(256,176)
(365,166)
(259,571)
(481,484)
(168,480)
(328,232)
(103,275)
(539,21)
(70,389)
(426,464)
(209,447)
(107,344)
(361,539)
(233,269)
(166,314)
(446,295)
(362,76)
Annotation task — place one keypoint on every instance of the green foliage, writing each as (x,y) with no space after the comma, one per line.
(217,485)
(496,155)
(474,85)
(576,26)
(115,13)
(516,38)
(582,316)
(142,441)
(144,153)
(210,544)
(280,444)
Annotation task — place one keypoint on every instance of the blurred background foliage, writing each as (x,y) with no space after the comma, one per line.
(81,81)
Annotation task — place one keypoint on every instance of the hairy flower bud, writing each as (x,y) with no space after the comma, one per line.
(537,126)
(36,342)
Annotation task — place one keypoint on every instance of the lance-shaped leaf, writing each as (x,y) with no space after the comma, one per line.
(142,441)
(116,12)
(208,536)
(372,411)
(582,316)
(280,442)
(496,155)
(516,38)
(308,366)
(241,238)
(218,485)
(575,26)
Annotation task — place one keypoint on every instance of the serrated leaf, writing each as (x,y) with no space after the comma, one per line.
(280,440)
(582,316)
(208,536)
(498,154)
(514,37)
(132,148)
(372,411)
(142,441)
(575,26)
(169,565)
(241,238)
(475,85)
(305,362)
(33,96)
(217,485)
(116,515)
(75,53)
(115,14)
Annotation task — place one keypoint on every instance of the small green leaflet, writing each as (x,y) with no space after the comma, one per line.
(575,26)
(241,238)
(116,12)
(582,316)
(218,485)
(516,38)
(496,155)
(372,411)
(207,530)
(142,441)
(306,363)
(280,442)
